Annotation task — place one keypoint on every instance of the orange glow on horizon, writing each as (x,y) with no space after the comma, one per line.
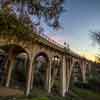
(88,55)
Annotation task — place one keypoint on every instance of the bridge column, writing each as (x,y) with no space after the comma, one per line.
(68,74)
(84,71)
(49,77)
(10,72)
(29,75)
(32,78)
(90,69)
(63,76)
(9,64)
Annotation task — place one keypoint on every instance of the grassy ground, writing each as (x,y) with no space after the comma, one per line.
(78,94)
(87,94)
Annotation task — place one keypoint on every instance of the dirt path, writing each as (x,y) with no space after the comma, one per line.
(10,92)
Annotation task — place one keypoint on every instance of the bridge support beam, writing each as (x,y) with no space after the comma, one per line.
(69,72)
(63,76)
(49,77)
(90,69)
(68,75)
(32,78)
(84,72)
(11,65)
(29,75)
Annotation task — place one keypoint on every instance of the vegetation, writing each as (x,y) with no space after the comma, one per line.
(96,40)
(86,94)
(96,37)
(49,10)
(78,94)
(11,26)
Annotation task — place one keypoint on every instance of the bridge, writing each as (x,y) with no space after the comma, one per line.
(40,62)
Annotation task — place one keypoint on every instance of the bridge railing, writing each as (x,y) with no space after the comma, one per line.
(58,44)
(50,40)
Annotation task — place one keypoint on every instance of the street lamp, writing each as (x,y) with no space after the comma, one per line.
(66,46)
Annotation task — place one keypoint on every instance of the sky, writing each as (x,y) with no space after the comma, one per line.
(81,17)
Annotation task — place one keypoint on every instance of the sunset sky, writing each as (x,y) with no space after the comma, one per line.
(82,16)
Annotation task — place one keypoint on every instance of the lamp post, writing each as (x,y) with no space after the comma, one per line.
(66,47)
(64,70)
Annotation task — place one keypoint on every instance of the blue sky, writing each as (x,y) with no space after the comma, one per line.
(82,17)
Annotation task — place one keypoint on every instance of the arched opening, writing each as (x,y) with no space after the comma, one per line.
(19,73)
(77,74)
(55,75)
(41,63)
(3,58)
(15,66)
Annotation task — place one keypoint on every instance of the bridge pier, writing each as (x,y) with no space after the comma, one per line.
(84,71)
(28,88)
(69,67)
(10,72)
(49,77)
(63,76)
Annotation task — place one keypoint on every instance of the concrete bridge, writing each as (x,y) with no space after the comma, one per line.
(40,63)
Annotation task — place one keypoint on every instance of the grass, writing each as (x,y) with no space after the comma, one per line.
(86,94)
(77,94)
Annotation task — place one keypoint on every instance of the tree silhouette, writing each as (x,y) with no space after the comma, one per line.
(96,37)
(49,10)
(96,40)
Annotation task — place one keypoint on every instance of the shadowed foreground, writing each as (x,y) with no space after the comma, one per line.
(78,94)
(10,92)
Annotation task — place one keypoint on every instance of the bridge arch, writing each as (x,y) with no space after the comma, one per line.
(19,72)
(3,57)
(40,74)
(12,68)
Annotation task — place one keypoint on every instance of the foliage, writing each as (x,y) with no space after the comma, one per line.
(10,25)
(96,40)
(78,94)
(86,94)
(94,83)
(97,58)
(38,92)
(96,37)
(82,85)
(49,10)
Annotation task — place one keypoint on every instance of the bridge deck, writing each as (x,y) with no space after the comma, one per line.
(45,40)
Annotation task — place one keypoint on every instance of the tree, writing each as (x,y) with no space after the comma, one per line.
(96,40)
(49,10)
(96,37)
(97,58)
(11,26)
